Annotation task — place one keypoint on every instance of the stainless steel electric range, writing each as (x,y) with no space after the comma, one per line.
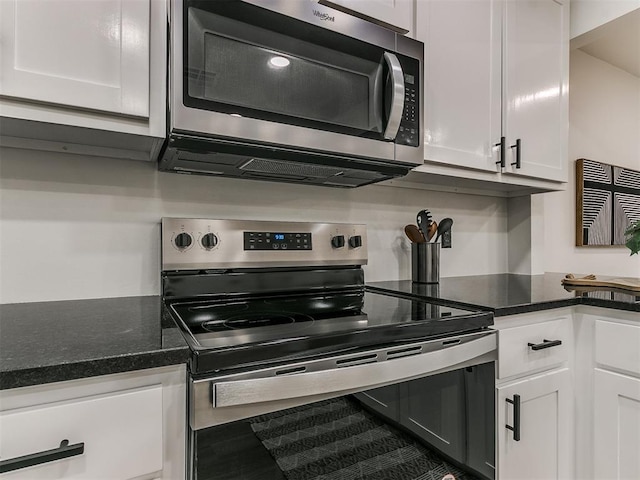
(281,323)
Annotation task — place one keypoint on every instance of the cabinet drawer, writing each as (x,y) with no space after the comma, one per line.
(618,346)
(533,347)
(121,433)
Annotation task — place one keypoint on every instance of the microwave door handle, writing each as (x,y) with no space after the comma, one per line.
(397,96)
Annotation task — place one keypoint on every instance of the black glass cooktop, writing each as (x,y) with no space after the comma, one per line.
(248,330)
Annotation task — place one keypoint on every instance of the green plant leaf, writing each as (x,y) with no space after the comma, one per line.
(632,237)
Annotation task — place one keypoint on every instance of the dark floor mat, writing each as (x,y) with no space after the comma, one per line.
(339,440)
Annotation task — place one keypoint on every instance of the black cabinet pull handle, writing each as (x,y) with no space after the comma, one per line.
(63,451)
(545,344)
(516,417)
(518,147)
(503,150)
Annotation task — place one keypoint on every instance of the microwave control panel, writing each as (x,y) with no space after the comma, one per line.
(409,131)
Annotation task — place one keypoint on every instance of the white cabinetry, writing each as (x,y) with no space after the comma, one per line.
(616,399)
(79,54)
(121,426)
(534,396)
(394,14)
(496,69)
(462,107)
(616,426)
(542,445)
(83,77)
(535,87)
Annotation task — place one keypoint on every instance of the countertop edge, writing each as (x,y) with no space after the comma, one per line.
(534,306)
(91,368)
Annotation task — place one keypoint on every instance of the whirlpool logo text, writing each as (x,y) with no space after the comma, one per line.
(324,16)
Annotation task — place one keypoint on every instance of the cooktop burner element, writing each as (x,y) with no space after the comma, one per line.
(257,319)
(239,307)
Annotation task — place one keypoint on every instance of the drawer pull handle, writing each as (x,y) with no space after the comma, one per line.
(545,344)
(516,417)
(63,451)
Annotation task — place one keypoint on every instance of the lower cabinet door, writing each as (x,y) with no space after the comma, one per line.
(114,436)
(481,418)
(384,400)
(535,428)
(434,409)
(616,426)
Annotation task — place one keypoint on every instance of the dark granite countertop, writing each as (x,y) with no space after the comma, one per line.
(47,342)
(509,294)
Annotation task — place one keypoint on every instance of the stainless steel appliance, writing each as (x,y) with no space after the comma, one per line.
(290,91)
(288,341)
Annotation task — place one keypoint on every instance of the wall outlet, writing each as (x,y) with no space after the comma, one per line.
(446,239)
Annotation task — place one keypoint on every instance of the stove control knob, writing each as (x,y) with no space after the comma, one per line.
(209,240)
(355,241)
(337,241)
(183,240)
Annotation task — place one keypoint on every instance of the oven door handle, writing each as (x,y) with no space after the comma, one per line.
(349,379)
(397,96)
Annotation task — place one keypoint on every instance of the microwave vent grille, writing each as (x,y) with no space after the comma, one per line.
(261,165)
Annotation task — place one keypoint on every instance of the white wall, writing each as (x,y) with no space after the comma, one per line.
(76,227)
(604,117)
(589,14)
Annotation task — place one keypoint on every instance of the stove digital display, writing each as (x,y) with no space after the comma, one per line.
(277,241)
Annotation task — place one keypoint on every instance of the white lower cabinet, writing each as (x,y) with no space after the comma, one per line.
(534,396)
(615,412)
(535,435)
(120,426)
(616,426)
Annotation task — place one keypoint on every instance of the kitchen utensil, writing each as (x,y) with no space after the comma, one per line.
(424,220)
(433,228)
(414,234)
(444,226)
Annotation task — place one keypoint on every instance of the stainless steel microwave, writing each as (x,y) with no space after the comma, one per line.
(293,91)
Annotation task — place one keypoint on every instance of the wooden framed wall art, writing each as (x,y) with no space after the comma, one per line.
(607,202)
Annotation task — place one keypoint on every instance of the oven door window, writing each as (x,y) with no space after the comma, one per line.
(423,428)
(307,76)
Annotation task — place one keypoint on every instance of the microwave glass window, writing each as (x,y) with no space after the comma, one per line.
(254,71)
(281,83)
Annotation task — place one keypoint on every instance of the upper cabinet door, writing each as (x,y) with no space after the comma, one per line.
(396,14)
(78,53)
(462,90)
(535,87)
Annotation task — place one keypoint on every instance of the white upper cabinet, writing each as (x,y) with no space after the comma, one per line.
(396,14)
(84,77)
(462,81)
(535,115)
(494,69)
(85,54)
